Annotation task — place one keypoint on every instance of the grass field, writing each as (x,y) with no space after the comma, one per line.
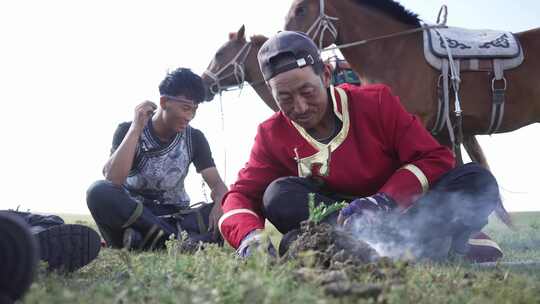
(214,275)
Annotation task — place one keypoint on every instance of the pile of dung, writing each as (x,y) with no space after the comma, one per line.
(325,246)
(365,281)
(338,283)
(342,264)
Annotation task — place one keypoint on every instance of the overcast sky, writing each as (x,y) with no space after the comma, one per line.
(71,71)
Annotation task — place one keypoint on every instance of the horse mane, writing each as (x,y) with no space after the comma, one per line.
(258,40)
(394,9)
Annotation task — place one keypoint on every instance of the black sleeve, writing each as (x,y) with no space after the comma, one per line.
(202,156)
(119,135)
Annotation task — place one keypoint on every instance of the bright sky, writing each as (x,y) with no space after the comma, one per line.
(71,71)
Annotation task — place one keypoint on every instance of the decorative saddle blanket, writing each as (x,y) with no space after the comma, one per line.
(466,44)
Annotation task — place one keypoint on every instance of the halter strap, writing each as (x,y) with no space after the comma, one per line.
(324,23)
(237,62)
(321,25)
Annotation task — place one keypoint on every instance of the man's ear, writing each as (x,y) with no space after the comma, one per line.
(273,95)
(327,75)
(163,102)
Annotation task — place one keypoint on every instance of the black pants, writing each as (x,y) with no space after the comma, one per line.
(114,210)
(456,206)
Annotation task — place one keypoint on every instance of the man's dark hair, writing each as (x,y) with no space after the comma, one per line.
(183,82)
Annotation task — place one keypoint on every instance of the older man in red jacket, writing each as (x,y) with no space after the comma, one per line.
(353,143)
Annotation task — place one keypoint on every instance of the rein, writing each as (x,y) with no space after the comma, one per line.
(393,35)
(239,73)
(324,23)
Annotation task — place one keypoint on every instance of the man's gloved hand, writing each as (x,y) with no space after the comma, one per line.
(379,202)
(252,241)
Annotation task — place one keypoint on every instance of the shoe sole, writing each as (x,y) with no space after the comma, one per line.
(483,249)
(18,257)
(67,248)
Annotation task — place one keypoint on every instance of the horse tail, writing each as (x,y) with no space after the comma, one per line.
(476,154)
(504,216)
(475,151)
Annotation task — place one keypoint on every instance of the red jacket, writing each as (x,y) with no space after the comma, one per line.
(381,148)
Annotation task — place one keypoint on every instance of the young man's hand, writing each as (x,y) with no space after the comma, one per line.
(216,184)
(143,112)
(213,226)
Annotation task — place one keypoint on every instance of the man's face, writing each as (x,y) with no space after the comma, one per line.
(179,111)
(301,95)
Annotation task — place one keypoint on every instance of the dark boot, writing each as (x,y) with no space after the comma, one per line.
(65,247)
(483,249)
(68,247)
(153,239)
(132,239)
(18,257)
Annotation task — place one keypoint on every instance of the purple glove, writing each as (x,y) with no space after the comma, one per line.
(375,203)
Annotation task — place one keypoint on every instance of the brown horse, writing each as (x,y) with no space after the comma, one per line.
(234,63)
(399,62)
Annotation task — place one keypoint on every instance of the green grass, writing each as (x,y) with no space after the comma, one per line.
(214,275)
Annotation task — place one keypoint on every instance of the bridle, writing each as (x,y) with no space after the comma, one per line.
(324,23)
(321,25)
(238,71)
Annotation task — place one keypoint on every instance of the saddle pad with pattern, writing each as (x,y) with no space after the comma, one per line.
(466,43)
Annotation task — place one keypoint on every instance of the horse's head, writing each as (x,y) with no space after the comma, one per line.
(228,67)
(313,17)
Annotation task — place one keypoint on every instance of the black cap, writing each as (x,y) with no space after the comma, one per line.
(301,51)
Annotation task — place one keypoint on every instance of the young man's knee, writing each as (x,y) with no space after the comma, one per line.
(97,194)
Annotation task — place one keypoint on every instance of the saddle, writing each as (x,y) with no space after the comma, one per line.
(453,50)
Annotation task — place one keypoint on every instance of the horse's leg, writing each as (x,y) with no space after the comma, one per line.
(474,151)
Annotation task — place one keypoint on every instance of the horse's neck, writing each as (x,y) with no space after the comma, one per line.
(255,79)
(377,61)
(265,94)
